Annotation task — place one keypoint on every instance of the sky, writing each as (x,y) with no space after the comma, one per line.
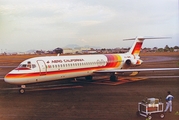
(48,24)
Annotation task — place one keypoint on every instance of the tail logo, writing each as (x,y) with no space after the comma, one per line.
(137,48)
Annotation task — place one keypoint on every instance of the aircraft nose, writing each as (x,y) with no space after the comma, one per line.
(13,79)
(7,79)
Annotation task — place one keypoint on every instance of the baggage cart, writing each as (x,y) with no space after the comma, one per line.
(150,106)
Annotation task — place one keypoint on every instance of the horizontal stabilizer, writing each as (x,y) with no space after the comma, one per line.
(136,47)
(142,38)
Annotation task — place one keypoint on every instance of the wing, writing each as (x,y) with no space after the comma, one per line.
(134,70)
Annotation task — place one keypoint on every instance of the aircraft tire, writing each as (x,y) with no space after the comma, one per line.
(113,78)
(89,78)
(149,117)
(21,90)
(162,115)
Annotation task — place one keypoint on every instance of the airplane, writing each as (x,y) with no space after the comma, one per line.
(50,68)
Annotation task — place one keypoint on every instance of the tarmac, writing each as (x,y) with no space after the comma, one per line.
(96,100)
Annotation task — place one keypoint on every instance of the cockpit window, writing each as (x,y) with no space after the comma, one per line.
(28,65)
(33,65)
(22,66)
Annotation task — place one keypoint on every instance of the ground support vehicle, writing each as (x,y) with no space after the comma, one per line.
(150,106)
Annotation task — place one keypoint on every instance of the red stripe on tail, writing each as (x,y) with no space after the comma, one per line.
(137,48)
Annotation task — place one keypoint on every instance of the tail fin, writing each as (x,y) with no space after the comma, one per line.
(137,45)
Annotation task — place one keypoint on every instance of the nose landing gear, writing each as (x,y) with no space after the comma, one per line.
(22,89)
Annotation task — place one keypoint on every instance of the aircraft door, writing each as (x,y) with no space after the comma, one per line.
(42,67)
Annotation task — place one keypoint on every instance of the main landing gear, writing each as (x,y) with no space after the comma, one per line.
(89,78)
(114,77)
(22,89)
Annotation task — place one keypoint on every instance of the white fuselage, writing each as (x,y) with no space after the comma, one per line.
(40,69)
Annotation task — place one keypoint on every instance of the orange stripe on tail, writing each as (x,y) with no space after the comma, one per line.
(137,48)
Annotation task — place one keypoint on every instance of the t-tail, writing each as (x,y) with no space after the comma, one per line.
(137,45)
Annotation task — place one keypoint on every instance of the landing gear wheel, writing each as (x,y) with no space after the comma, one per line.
(21,90)
(113,78)
(162,115)
(149,117)
(89,78)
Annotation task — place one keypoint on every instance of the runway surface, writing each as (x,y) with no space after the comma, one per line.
(96,100)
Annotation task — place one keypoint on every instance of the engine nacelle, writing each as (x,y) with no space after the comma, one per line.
(128,62)
(134,62)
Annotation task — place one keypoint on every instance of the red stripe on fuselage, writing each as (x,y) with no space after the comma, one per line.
(36,74)
(113,61)
(22,68)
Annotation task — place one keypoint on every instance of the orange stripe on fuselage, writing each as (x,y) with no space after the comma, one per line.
(23,75)
(48,73)
(114,61)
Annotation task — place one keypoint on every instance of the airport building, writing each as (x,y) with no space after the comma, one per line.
(75,50)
